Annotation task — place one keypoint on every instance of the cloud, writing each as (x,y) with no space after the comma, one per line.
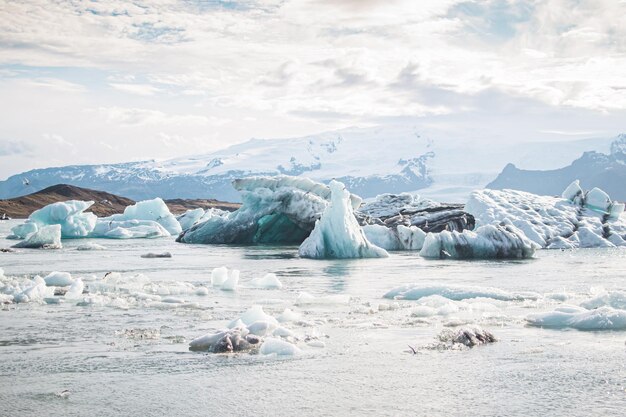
(14,147)
(125,116)
(139,89)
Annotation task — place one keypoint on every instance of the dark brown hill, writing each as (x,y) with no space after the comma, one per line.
(105,203)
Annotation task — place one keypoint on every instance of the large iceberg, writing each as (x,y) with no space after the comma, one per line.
(576,219)
(280,209)
(503,241)
(69,215)
(145,219)
(338,234)
(148,211)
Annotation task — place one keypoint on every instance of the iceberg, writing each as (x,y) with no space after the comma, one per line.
(503,241)
(602,318)
(146,211)
(280,209)
(269,281)
(274,346)
(454,292)
(46,237)
(577,219)
(58,279)
(337,233)
(128,229)
(69,215)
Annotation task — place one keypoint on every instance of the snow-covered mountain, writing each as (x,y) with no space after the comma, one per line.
(370,161)
(594,169)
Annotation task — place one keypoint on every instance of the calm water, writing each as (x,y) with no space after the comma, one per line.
(365,368)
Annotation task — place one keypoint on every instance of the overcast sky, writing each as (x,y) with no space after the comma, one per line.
(111,81)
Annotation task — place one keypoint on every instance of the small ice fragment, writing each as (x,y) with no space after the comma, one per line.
(218,276)
(278,347)
(58,279)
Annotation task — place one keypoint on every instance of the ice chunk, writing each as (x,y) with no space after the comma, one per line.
(269,281)
(155,210)
(304,298)
(58,279)
(616,210)
(488,242)
(70,215)
(562,243)
(128,229)
(615,299)
(412,238)
(573,192)
(76,290)
(36,292)
(256,313)
(261,328)
(47,237)
(190,217)
(596,199)
(337,234)
(454,292)
(230,284)
(382,236)
(219,276)
(273,346)
(603,318)
(288,315)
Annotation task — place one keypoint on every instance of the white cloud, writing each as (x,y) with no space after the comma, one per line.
(139,89)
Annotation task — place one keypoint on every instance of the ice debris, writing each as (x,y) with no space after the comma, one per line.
(337,234)
(455,292)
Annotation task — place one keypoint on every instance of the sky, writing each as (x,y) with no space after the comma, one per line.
(112,81)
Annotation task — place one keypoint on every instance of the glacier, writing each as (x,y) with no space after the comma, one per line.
(337,234)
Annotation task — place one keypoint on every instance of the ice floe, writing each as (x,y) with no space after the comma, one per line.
(268,281)
(337,234)
(58,279)
(580,318)
(455,292)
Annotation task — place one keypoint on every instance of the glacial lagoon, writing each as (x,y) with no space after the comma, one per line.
(120,355)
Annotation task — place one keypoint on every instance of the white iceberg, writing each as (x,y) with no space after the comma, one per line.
(145,219)
(553,222)
(58,279)
(603,318)
(268,281)
(46,237)
(273,346)
(454,292)
(488,242)
(337,233)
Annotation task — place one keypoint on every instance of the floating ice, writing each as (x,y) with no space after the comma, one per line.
(614,299)
(554,222)
(455,292)
(279,209)
(76,289)
(230,284)
(337,234)
(288,315)
(223,278)
(155,210)
(603,318)
(273,346)
(36,292)
(47,237)
(503,241)
(58,279)
(69,215)
(269,281)
(128,229)
(469,336)
(225,341)
(256,313)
